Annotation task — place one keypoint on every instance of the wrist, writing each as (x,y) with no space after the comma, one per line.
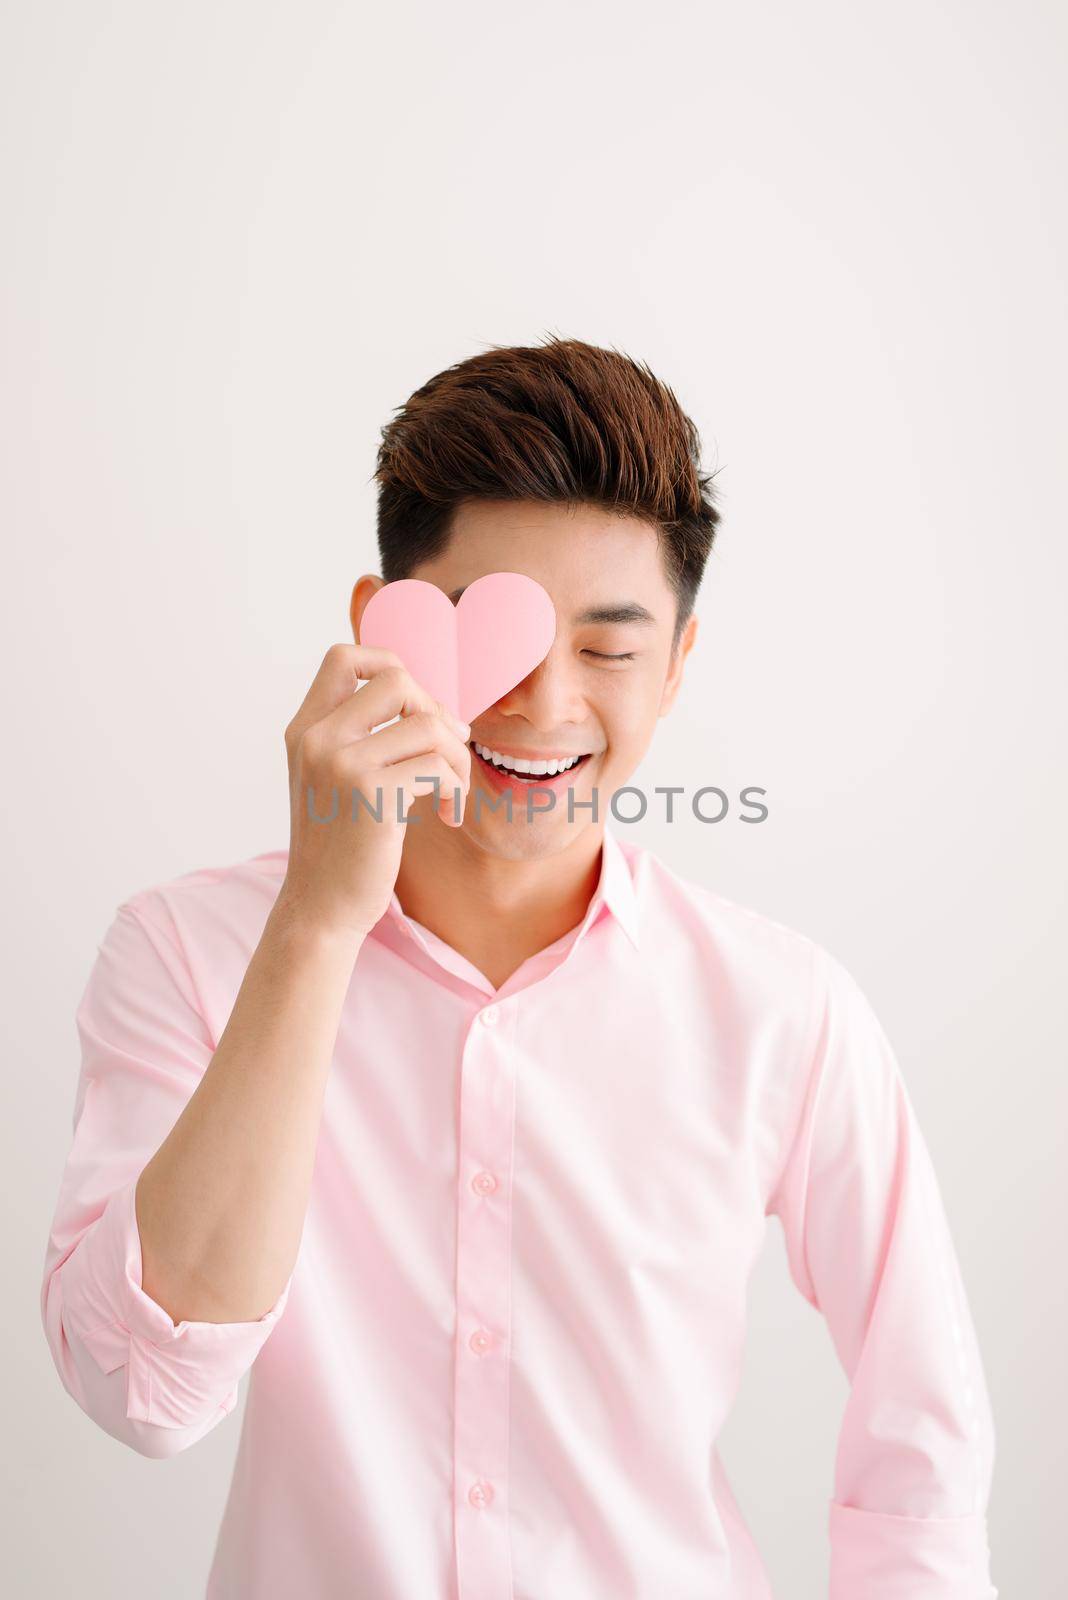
(301,926)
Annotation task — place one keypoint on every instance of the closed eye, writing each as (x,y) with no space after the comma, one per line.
(627,655)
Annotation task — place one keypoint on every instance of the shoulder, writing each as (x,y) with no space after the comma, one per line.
(687,911)
(229,901)
(736,947)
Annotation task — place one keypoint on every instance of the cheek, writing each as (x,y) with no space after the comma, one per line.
(628,711)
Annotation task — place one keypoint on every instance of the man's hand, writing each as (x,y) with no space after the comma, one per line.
(342,873)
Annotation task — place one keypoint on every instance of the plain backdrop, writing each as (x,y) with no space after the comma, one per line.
(236,237)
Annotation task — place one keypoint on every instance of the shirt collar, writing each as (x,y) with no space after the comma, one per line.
(615,889)
(616,886)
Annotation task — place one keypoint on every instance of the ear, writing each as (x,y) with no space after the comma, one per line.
(365,587)
(673,680)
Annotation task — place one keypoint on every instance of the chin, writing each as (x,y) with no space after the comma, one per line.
(520,840)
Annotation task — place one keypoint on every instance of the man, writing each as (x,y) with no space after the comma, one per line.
(466,1128)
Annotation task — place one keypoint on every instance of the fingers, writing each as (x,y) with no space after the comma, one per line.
(417,734)
(321,761)
(334,686)
(383,787)
(336,680)
(342,715)
(419,743)
(417,775)
(330,740)
(390,694)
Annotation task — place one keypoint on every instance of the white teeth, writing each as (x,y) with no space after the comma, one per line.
(547,769)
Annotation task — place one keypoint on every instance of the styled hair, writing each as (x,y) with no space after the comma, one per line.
(563,422)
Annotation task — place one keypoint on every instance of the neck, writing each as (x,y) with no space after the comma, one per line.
(494,910)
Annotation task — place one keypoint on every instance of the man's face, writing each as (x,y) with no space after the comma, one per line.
(597,694)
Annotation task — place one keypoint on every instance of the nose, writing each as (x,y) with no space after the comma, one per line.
(550,696)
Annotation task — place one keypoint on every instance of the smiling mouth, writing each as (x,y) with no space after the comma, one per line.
(500,767)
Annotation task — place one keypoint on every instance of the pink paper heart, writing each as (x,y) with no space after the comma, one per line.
(469,654)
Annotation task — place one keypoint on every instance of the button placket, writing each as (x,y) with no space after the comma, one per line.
(483,1306)
(480,1494)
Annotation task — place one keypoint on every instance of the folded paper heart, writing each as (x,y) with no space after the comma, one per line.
(469,654)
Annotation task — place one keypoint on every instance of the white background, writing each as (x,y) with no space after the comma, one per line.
(236,237)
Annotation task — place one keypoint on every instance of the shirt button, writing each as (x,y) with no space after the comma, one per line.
(483,1183)
(480,1493)
(480,1341)
(489,1016)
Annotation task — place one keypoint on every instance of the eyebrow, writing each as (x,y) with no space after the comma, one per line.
(620,611)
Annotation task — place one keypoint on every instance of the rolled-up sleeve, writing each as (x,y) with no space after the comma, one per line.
(154,1384)
(869,1246)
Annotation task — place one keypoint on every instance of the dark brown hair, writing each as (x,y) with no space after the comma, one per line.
(565,422)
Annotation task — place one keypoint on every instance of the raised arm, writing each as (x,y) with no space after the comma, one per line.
(183,1199)
(156,1359)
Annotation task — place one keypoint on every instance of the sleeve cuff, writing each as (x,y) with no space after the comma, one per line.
(177,1374)
(877,1556)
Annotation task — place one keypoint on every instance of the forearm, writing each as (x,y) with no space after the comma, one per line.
(221,1205)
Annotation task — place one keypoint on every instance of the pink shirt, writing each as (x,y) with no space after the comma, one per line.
(515,1325)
